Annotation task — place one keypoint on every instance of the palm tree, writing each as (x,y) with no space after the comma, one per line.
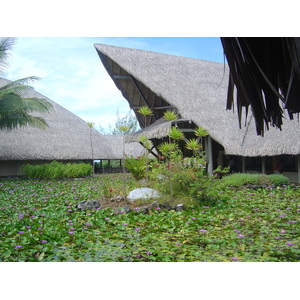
(15,107)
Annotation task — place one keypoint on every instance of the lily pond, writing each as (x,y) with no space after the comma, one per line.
(39,222)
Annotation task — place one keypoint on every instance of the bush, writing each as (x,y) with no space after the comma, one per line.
(240,179)
(278,179)
(57,170)
(137,166)
(180,176)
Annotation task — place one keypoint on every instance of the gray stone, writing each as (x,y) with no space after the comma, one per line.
(117,198)
(143,193)
(179,207)
(90,204)
(154,205)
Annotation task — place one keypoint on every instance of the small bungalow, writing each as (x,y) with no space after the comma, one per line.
(67,138)
(197,91)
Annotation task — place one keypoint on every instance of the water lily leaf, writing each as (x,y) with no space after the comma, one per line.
(41,256)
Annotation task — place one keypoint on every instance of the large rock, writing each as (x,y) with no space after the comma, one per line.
(143,193)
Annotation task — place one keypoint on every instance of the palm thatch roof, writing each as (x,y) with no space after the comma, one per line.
(265,71)
(67,137)
(197,90)
(158,129)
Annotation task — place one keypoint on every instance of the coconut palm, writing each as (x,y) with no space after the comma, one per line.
(15,107)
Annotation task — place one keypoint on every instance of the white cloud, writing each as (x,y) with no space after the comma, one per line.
(71,74)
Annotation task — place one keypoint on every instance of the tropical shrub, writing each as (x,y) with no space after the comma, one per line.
(137,166)
(57,170)
(278,179)
(180,176)
(239,179)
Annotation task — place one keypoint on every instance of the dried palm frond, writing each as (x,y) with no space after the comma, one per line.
(264,71)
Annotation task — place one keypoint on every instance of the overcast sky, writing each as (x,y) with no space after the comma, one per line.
(73,76)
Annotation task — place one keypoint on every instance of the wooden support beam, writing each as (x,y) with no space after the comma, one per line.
(209,156)
(243,164)
(187,130)
(157,107)
(140,91)
(116,76)
(263,165)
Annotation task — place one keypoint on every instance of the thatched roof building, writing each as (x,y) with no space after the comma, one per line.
(197,90)
(67,138)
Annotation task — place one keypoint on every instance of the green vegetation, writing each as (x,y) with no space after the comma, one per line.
(123,125)
(39,222)
(137,167)
(58,170)
(240,179)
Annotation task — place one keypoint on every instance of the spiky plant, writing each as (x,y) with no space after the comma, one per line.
(193,144)
(201,132)
(167,148)
(170,115)
(145,111)
(175,134)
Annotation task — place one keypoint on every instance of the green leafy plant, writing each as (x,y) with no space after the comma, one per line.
(239,179)
(193,144)
(57,170)
(170,115)
(175,134)
(137,166)
(167,148)
(201,132)
(40,223)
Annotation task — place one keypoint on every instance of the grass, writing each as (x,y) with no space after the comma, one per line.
(39,222)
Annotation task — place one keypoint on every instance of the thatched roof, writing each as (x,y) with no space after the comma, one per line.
(158,129)
(66,138)
(197,89)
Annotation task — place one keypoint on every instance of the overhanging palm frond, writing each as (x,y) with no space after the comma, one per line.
(6,45)
(265,71)
(13,120)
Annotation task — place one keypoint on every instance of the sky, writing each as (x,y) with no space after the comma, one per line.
(72,74)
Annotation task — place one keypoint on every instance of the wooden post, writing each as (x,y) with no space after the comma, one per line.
(243,164)
(263,165)
(209,156)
